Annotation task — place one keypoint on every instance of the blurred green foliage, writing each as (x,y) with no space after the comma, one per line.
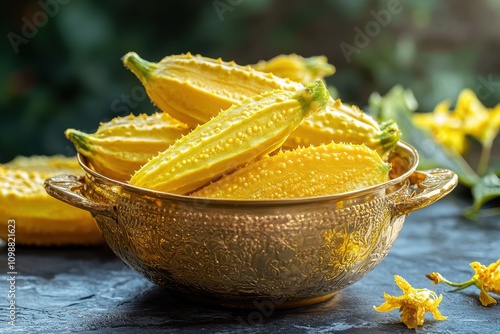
(68,72)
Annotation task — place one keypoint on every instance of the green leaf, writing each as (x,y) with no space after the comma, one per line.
(399,104)
(486,189)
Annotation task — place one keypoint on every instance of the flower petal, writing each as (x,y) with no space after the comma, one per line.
(486,299)
(391,303)
(403,284)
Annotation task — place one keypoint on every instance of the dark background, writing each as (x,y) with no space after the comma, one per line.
(60,61)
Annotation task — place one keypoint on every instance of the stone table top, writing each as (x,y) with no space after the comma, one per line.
(89,290)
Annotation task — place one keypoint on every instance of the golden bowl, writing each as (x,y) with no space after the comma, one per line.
(238,253)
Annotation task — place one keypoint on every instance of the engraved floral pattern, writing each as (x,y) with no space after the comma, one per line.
(298,251)
(295,252)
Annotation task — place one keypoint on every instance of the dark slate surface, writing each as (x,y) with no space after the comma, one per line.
(88,290)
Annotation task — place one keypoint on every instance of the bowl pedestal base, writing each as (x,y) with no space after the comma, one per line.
(264,305)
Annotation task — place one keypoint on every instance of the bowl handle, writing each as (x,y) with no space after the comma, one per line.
(67,188)
(428,187)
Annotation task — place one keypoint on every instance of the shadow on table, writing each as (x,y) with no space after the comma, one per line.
(159,309)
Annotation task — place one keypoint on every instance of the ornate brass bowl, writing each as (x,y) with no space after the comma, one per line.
(239,253)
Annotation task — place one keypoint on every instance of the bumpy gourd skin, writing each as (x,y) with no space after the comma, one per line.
(236,136)
(336,125)
(297,68)
(193,89)
(304,172)
(121,146)
(39,218)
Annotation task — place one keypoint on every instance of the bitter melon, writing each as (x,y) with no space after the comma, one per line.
(121,146)
(297,68)
(336,125)
(303,172)
(195,88)
(39,218)
(236,136)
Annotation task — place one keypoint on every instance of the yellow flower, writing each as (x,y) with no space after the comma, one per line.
(413,304)
(469,118)
(487,279)
(444,126)
(436,278)
(472,113)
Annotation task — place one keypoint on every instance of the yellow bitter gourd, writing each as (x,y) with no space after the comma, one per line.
(337,125)
(236,136)
(121,146)
(39,218)
(297,68)
(303,172)
(195,88)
